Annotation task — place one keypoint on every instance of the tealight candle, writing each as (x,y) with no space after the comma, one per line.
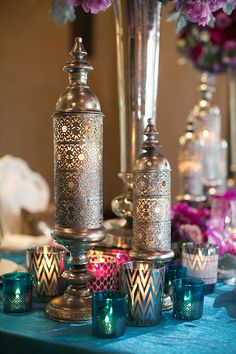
(46,264)
(105,273)
(188,298)
(108,314)
(17,292)
(201,261)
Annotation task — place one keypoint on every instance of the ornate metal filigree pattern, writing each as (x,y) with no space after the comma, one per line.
(78,170)
(152,236)
(144,290)
(152,227)
(152,183)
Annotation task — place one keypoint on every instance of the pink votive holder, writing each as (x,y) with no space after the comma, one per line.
(104,268)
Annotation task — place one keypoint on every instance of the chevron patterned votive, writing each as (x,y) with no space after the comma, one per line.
(201,261)
(143,283)
(46,264)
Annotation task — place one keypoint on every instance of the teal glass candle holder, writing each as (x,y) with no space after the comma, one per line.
(17,292)
(108,314)
(173,272)
(188,298)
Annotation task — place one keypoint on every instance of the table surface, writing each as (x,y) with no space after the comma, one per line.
(215,333)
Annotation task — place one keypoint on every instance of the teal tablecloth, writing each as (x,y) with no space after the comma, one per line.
(215,333)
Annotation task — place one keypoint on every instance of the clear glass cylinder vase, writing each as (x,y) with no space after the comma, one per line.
(138,39)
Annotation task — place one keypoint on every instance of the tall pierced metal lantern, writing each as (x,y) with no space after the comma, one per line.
(78,144)
(151,198)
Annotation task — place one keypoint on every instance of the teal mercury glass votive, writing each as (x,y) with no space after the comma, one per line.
(108,314)
(188,298)
(17,292)
(173,272)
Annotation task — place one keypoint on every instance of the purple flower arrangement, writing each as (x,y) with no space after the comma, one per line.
(93,6)
(211,49)
(188,224)
(197,225)
(219,229)
(196,11)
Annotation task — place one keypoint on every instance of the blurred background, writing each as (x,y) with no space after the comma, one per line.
(33,53)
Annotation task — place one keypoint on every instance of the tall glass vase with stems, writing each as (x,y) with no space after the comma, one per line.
(138,39)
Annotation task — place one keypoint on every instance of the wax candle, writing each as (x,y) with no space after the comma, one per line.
(46,264)
(17,292)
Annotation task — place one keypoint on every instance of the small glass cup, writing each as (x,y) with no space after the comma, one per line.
(108,314)
(201,260)
(143,284)
(173,272)
(17,292)
(188,298)
(121,256)
(105,273)
(46,264)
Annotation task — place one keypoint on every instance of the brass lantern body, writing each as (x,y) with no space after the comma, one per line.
(78,155)
(152,202)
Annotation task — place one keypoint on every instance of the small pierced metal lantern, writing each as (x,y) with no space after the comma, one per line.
(78,144)
(151,198)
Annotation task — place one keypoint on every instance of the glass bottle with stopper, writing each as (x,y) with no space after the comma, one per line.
(190,166)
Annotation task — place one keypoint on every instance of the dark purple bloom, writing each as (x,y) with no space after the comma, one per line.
(95,6)
(222,20)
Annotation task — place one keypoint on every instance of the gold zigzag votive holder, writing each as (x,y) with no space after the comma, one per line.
(142,282)
(46,264)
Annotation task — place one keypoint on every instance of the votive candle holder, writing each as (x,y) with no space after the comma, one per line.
(143,284)
(108,314)
(46,264)
(188,298)
(17,292)
(173,272)
(121,256)
(201,261)
(105,273)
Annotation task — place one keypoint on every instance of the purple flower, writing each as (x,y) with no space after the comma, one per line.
(222,20)
(95,6)
(198,11)
(218,4)
(192,233)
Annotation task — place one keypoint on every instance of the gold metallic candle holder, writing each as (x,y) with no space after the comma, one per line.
(46,264)
(78,156)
